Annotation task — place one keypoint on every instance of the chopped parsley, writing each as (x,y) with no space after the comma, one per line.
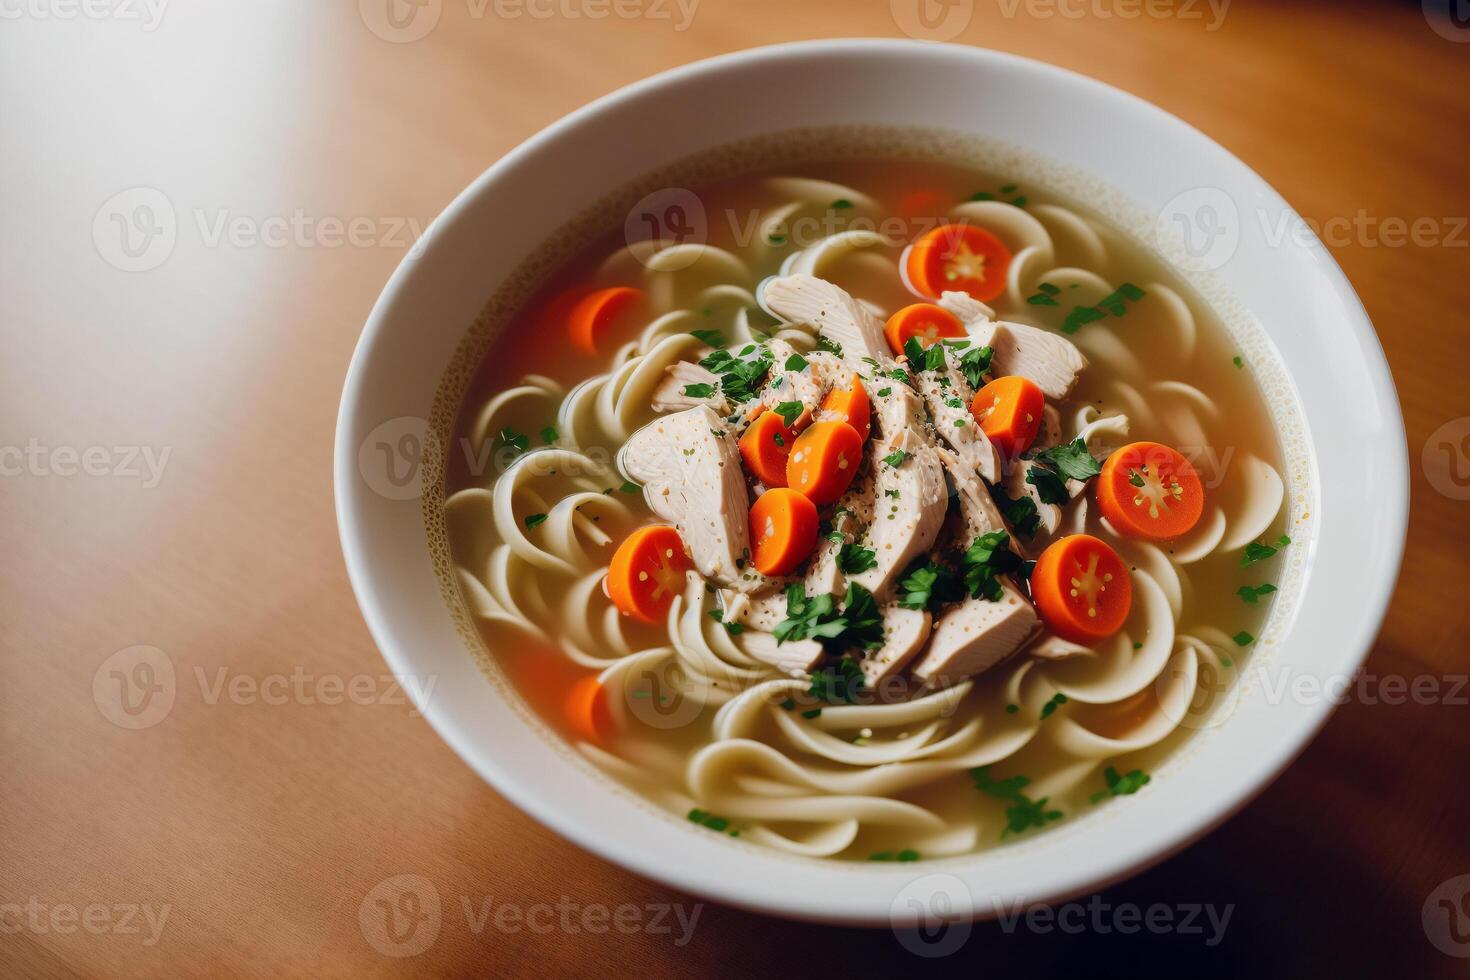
(975,364)
(1071,459)
(896,458)
(534,520)
(1115,303)
(923,358)
(853,559)
(1118,785)
(829,345)
(1023,813)
(790,412)
(550,435)
(837,683)
(1049,486)
(1012,709)
(818,618)
(927,585)
(1237,361)
(734,629)
(1252,594)
(1057,700)
(884,392)
(699,390)
(1020,514)
(712,337)
(795,363)
(1260,551)
(740,378)
(776,239)
(841,204)
(711,821)
(1243,639)
(1045,295)
(630,487)
(985,561)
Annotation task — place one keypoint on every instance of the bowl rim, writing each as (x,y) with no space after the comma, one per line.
(1256,773)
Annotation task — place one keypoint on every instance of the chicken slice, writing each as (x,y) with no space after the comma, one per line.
(904,634)
(974,636)
(671,396)
(689,466)
(794,384)
(948,396)
(1049,359)
(1016,486)
(853,513)
(977,507)
(793,657)
(833,311)
(909,501)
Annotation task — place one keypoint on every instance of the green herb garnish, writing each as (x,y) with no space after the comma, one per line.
(1056,702)
(1243,639)
(550,435)
(982,564)
(515,440)
(1260,551)
(534,520)
(630,487)
(896,458)
(699,390)
(790,412)
(712,822)
(1071,459)
(923,358)
(734,629)
(853,559)
(1020,514)
(712,337)
(1049,486)
(795,363)
(927,585)
(1024,813)
(1252,595)
(906,855)
(975,364)
(1121,785)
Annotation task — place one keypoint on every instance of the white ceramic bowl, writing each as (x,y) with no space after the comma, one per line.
(1350,479)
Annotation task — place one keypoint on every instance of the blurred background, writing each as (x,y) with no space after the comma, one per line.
(199,202)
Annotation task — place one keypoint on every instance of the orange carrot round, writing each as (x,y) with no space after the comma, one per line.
(1081,589)
(852,406)
(926,321)
(591,314)
(824,459)
(587,712)
(959,257)
(765,446)
(1148,490)
(1008,411)
(783,531)
(647,571)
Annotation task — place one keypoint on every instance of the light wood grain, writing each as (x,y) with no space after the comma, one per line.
(263,827)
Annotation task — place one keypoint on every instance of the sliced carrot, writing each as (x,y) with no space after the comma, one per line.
(1148,490)
(590,315)
(765,446)
(1009,413)
(1081,589)
(926,321)
(851,406)
(647,571)
(824,459)
(959,257)
(587,713)
(783,531)
(920,203)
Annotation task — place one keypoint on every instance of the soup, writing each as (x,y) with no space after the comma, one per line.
(868,510)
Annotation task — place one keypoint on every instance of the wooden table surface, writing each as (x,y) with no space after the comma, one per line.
(166,438)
